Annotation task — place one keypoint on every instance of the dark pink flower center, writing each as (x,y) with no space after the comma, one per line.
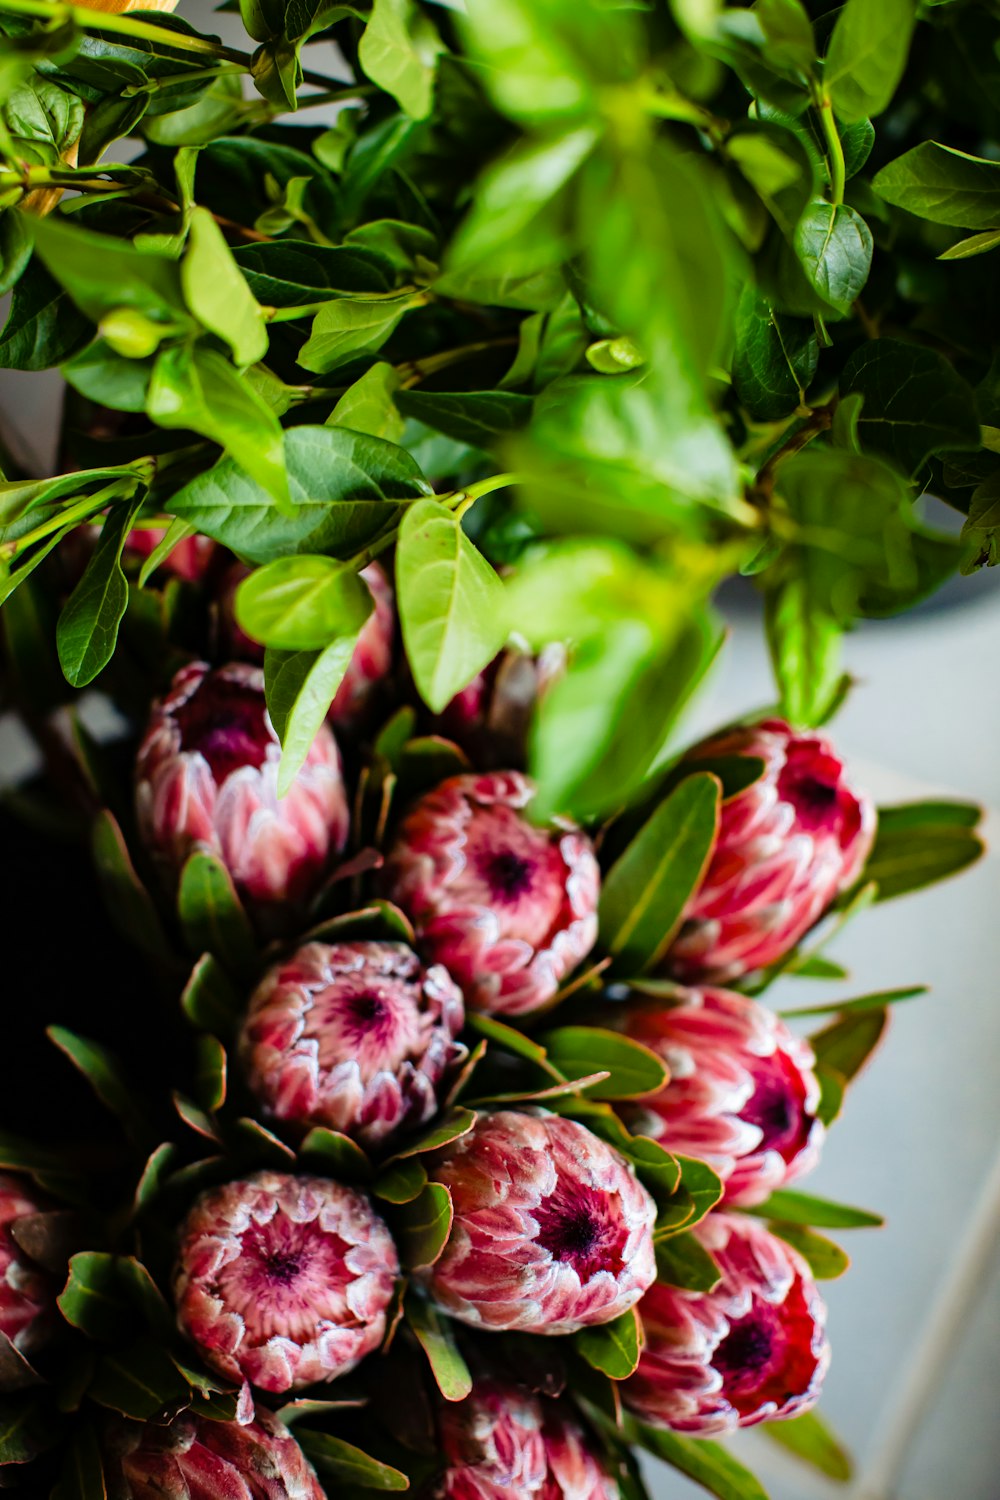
(771,1354)
(282,1266)
(577,1225)
(286,1278)
(810,781)
(777,1106)
(745,1349)
(509,875)
(224,722)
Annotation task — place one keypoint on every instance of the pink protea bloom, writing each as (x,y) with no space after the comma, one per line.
(189,560)
(355,1036)
(368,667)
(491,717)
(503,1443)
(27,1295)
(284,1281)
(508,908)
(206,776)
(552,1230)
(787,845)
(741,1095)
(753,1349)
(196,1459)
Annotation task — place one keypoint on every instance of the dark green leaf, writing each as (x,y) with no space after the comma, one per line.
(792,1207)
(705,1462)
(834,247)
(87,631)
(577,1051)
(211,916)
(129,904)
(426,1224)
(346,487)
(775,358)
(82,1475)
(339,1461)
(290,273)
(478,418)
(908,857)
(457,1122)
(210,1000)
(27,1428)
(613,1348)
(683,1261)
(138,1381)
(944,185)
(104,1072)
(846,1045)
(646,890)
(337,1153)
(915,403)
(95,1299)
(43,326)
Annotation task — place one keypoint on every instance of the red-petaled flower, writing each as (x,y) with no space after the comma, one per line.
(27,1295)
(283,1280)
(742,1094)
(193,1458)
(503,1443)
(552,1230)
(753,1349)
(508,908)
(786,846)
(354,1036)
(491,717)
(368,667)
(206,776)
(190,559)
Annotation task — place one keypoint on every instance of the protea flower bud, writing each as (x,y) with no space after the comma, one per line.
(552,1230)
(27,1295)
(742,1094)
(354,1036)
(283,1281)
(787,845)
(206,775)
(197,1459)
(502,1443)
(751,1350)
(189,560)
(508,908)
(368,667)
(491,717)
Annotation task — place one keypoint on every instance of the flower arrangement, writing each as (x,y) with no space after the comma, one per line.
(451,1137)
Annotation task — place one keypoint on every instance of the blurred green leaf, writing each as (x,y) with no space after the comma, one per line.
(398,51)
(915,402)
(683,1261)
(211,915)
(87,631)
(867,55)
(613,1348)
(300,603)
(811,1439)
(792,1207)
(826,1260)
(217,294)
(705,1462)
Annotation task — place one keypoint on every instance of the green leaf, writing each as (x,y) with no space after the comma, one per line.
(87,631)
(346,488)
(289,273)
(426,1224)
(702,1184)
(104,1072)
(928,817)
(401,1182)
(645,892)
(915,402)
(683,1261)
(217,294)
(909,855)
(129,904)
(789,34)
(944,185)
(210,1001)
(368,405)
(354,325)
(300,686)
(804,644)
(103,274)
(82,1475)
(834,246)
(478,418)
(193,387)
(334,1459)
(775,358)
(27,1428)
(705,1462)
(456,1123)
(877,1000)
(846,1045)
(337,1153)
(577,1051)
(43,326)
(300,603)
(452,606)
(826,1260)
(94,1298)
(434,1335)
(810,1438)
(867,55)
(792,1207)
(613,1348)
(138,1381)
(506,1036)
(399,51)
(976,244)
(211,916)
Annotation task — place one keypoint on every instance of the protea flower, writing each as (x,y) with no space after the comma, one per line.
(491,717)
(368,667)
(354,1036)
(191,558)
(751,1350)
(552,1229)
(502,1443)
(27,1295)
(193,1458)
(283,1281)
(206,775)
(787,845)
(506,907)
(742,1094)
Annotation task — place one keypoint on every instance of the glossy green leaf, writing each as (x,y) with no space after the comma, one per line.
(452,606)
(645,892)
(793,1207)
(401,1182)
(426,1224)
(867,55)
(346,487)
(613,1348)
(368,405)
(834,247)
(947,186)
(775,358)
(434,1334)
(976,244)
(810,1438)
(915,402)
(211,916)
(342,1463)
(94,1299)
(217,294)
(352,325)
(338,1154)
(399,51)
(300,686)
(301,603)
(633,1070)
(452,1127)
(104,1072)
(87,631)
(478,418)
(683,1261)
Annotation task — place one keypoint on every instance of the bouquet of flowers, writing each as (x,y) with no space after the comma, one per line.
(445,1135)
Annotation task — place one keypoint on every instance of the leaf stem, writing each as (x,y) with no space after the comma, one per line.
(124,25)
(69,516)
(834,148)
(818,420)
